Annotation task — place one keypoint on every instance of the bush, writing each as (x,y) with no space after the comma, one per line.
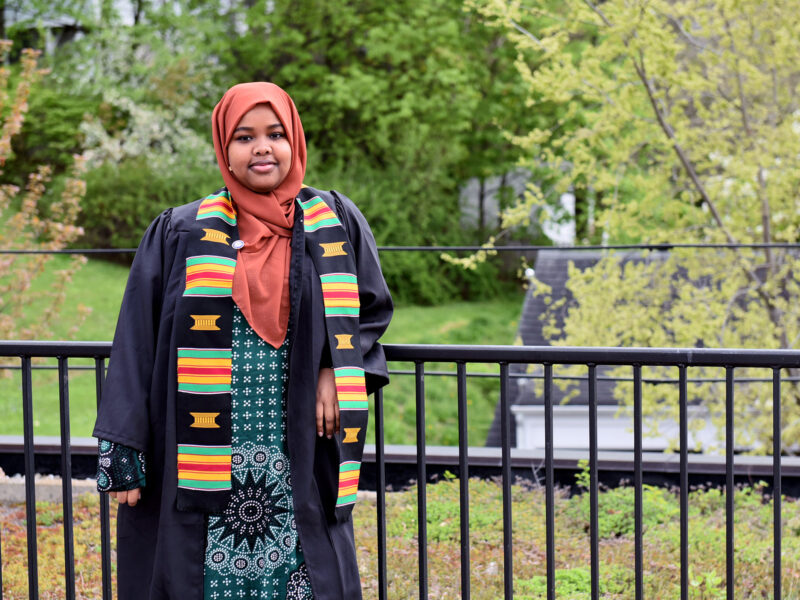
(50,134)
(413,209)
(121,200)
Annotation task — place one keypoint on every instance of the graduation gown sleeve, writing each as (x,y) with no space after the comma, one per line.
(125,406)
(374,297)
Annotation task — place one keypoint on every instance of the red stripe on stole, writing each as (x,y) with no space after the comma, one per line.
(216,204)
(208,468)
(317,210)
(204,370)
(339,294)
(351,388)
(211,275)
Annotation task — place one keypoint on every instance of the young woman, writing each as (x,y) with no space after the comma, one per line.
(233,415)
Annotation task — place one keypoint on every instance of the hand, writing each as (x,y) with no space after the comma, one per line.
(327,404)
(129,497)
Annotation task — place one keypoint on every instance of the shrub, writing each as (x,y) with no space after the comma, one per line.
(121,200)
(28,225)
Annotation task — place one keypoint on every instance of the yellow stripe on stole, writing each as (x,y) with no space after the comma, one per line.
(350,380)
(204,459)
(203,476)
(187,361)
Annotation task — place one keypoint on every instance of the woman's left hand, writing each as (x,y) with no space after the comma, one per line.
(327,404)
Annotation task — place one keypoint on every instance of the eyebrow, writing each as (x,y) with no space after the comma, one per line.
(273,126)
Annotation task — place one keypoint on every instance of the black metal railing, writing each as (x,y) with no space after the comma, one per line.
(503,356)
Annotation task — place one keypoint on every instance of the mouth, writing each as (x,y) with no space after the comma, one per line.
(263,166)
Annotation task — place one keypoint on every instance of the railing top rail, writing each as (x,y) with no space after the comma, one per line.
(562,355)
(55,348)
(569,355)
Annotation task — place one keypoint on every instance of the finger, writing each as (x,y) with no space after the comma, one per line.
(330,420)
(133,496)
(320,413)
(120,497)
(336,413)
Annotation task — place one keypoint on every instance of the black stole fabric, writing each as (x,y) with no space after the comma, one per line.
(204,337)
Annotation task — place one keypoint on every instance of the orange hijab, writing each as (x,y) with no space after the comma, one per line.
(261,278)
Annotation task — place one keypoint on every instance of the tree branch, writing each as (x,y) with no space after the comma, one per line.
(598,12)
(766,218)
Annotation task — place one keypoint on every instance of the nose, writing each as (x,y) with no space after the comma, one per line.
(262,147)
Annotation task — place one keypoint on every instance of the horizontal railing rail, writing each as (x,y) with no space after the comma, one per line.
(655,247)
(636,358)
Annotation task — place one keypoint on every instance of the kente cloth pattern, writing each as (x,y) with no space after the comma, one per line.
(203,317)
(119,467)
(329,247)
(204,341)
(252,548)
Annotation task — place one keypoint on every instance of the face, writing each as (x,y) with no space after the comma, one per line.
(259,152)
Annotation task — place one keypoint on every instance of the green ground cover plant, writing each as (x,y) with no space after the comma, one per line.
(100,285)
(753,544)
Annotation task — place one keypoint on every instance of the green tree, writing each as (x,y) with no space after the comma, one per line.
(689,133)
(401,102)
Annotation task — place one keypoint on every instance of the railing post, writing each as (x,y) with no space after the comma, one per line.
(508,548)
(730,490)
(550,519)
(684,481)
(463,475)
(105,513)
(66,478)
(594,491)
(637,479)
(776,479)
(422,477)
(380,465)
(30,478)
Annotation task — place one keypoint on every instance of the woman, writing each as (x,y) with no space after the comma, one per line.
(233,415)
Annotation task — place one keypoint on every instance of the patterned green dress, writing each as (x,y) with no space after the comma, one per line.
(252,549)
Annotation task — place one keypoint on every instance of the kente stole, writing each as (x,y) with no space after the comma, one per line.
(204,356)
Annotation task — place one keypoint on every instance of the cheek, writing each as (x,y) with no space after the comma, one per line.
(286,154)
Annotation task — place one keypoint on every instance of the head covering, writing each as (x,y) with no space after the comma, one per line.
(261,278)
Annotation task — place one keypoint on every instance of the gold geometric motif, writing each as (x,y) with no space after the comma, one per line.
(333,249)
(351,435)
(344,341)
(205,322)
(204,420)
(212,235)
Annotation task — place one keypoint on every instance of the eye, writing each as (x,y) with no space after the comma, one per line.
(276,135)
(242,137)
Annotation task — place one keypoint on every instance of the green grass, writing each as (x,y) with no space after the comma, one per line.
(100,285)
(661,544)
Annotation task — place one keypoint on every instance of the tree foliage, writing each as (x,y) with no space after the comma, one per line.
(687,131)
(28,225)
(401,102)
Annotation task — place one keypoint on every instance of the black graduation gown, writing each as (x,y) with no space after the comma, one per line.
(161,550)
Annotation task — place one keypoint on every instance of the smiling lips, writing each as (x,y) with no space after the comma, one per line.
(263,166)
